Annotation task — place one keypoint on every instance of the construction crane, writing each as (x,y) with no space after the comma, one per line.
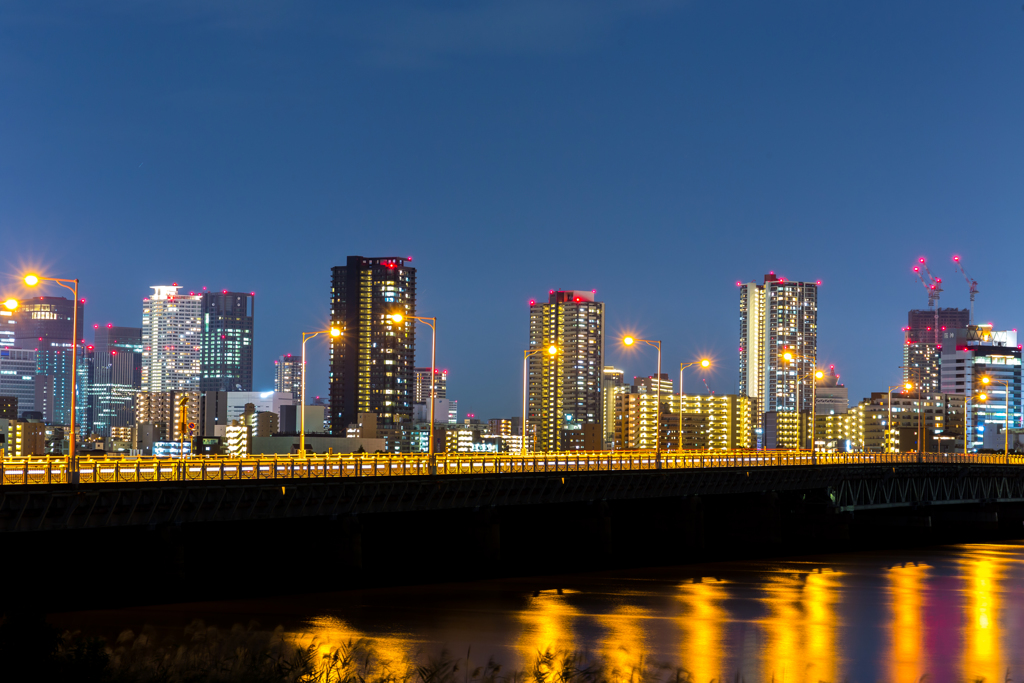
(934,287)
(970,281)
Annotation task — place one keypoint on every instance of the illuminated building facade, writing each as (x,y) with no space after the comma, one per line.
(715,422)
(45,324)
(171,340)
(968,357)
(161,410)
(18,377)
(564,390)
(372,363)
(115,378)
(227,340)
(777,316)
(288,375)
(612,384)
(421,387)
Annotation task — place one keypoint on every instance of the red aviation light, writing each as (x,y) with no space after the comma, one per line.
(112,353)
(921,260)
(819,282)
(576,299)
(957,259)
(738,284)
(109,325)
(533,302)
(916,269)
(943,328)
(95,327)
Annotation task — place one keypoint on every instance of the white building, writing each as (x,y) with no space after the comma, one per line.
(171,333)
(264,401)
(777,316)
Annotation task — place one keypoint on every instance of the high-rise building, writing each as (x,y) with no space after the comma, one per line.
(372,362)
(421,389)
(923,344)
(227,340)
(45,324)
(288,375)
(777,316)
(612,384)
(116,377)
(564,390)
(969,356)
(17,377)
(171,340)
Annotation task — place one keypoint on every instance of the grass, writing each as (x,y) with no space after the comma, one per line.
(32,650)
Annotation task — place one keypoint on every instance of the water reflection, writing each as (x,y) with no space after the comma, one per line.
(906,625)
(951,613)
(702,625)
(547,623)
(983,571)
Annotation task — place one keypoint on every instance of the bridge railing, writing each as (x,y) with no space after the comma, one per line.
(54,470)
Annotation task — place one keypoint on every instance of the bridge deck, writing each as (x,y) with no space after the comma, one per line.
(149,469)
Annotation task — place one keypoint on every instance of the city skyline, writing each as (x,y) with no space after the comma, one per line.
(616,352)
(797,139)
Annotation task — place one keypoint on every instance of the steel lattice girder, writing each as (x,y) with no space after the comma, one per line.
(852,487)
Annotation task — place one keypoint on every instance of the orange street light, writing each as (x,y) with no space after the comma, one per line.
(306,336)
(705,364)
(397,318)
(1006,427)
(629,341)
(11,304)
(72,285)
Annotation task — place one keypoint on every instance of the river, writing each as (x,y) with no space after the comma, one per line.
(954,613)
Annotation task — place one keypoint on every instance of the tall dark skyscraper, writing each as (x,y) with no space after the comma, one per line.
(227,324)
(372,363)
(45,324)
(116,377)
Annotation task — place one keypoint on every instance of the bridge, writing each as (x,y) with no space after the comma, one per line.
(36,496)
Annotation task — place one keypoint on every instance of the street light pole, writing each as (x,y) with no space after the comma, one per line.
(72,285)
(888,424)
(968,399)
(1006,413)
(306,336)
(814,376)
(629,341)
(704,363)
(432,323)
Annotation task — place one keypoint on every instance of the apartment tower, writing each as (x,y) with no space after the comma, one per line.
(776,317)
(288,375)
(172,327)
(565,389)
(372,362)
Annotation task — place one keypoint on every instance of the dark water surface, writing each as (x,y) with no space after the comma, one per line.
(955,613)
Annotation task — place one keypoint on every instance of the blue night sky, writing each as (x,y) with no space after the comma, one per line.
(655,151)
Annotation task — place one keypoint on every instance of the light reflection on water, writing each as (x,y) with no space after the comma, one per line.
(954,613)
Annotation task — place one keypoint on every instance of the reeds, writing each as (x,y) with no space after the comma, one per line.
(206,654)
